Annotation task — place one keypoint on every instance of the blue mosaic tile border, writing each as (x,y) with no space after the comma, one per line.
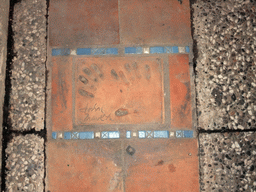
(114,51)
(156,50)
(85,51)
(157,134)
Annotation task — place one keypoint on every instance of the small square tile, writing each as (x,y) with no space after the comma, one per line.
(157,50)
(60,135)
(104,135)
(179,134)
(139,50)
(75,135)
(188,134)
(172,134)
(134,134)
(113,135)
(149,134)
(54,135)
(97,134)
(142,134)
(67,135)
(128,134)
(187,49)
(146,50)
(161,134)
(168,49)
(83,51)
(175,49)
(60,52)
(86,135)
(111,51)
(98,51)
(72,52)
(182,49)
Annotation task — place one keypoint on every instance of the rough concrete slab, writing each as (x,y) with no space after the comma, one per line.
(25,164)
(225,67)
(228,161)
(27,99)
(4,17)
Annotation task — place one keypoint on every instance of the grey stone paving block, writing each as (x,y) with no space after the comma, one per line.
(228,162)
(226,73)
(25,164)
(27,99)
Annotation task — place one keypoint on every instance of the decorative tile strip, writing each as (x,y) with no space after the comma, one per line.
(156,50)
(85,51)
(133,50)
(60,52)
(157,134)
(184,134)
(110,135)
(114,51)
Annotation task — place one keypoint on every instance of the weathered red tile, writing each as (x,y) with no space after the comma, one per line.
(155,22)
(162,165)
(180,92)
(115,90)
(61,93)
(75,23)
(84,166)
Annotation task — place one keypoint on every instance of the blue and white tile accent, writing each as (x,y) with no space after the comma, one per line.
(110,135)
(161,134)
(133,50)
(86,135)
(142,134)
(54,135)
(185,134)
(128,134)
(74,135)
(149,134)
(85,51)
(156,50)
(67,135)
(115,51)
(60,52)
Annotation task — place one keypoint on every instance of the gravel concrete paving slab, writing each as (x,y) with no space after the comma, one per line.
(27,99)
(25,164)
(228,161)
(225,68)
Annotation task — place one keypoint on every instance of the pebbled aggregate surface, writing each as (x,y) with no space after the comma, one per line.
(25,164)
(27,99)
(225,32)
(228,161)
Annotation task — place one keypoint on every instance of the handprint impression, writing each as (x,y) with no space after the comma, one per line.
(113,93)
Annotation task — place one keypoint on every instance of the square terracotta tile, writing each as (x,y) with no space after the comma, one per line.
(180,91)
(84,166)
(118,90)
(155,22)
(61,93)
(162,165)
(74,23)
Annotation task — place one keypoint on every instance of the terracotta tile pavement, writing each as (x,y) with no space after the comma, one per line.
(120,111)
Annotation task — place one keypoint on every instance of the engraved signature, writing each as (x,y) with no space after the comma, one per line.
(89,110)
(92,109)
(102,117)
